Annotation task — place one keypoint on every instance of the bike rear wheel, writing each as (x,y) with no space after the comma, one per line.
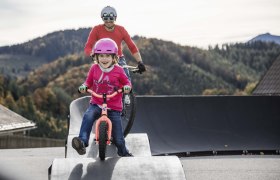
(128,114)
(103,136)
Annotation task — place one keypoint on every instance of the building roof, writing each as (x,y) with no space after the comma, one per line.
(12,122)
(270,82)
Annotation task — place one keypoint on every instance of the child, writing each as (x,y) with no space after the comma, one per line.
(104,77)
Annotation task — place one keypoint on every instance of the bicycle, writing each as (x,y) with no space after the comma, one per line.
(103,126)
(129,110)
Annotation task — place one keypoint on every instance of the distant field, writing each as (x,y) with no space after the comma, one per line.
(19,65)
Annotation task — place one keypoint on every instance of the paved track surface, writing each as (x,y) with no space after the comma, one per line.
(29,164)
(24,164)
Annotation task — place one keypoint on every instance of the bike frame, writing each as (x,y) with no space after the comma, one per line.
(104,115)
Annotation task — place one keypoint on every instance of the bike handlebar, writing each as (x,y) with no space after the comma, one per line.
(133,69)
(101,95)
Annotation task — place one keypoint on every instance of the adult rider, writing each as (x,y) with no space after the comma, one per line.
(115,32)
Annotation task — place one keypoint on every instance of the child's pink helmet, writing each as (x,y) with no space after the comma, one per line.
(105,46)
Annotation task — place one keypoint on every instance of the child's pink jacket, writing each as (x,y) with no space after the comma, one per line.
(107,82)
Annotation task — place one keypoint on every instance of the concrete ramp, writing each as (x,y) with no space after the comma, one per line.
(138,145)
(141,166)
(77,109)
(133,168)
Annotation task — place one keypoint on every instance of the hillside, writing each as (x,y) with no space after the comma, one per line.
(44,94)
(42,50)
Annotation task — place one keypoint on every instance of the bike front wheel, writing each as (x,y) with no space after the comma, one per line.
(128,113)
(103,136)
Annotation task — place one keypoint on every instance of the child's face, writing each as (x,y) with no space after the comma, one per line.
(105,60)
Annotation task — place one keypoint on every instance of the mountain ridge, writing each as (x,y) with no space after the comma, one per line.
(61,44)
(267,37)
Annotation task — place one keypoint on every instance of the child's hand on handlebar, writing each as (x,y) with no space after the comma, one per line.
(83,88)
(126,89)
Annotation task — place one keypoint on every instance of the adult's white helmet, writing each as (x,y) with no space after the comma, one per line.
(108,11)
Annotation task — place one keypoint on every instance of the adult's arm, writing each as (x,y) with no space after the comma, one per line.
(92,38)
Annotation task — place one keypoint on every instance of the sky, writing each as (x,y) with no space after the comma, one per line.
(198,23)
